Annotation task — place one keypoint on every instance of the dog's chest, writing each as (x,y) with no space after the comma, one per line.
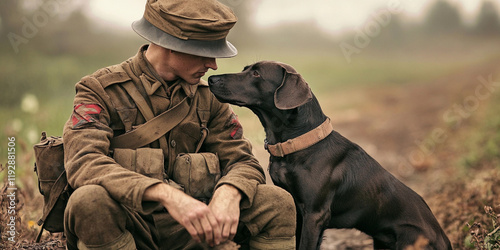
(280,174)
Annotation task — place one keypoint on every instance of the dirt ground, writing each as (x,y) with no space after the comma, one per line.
(397,126)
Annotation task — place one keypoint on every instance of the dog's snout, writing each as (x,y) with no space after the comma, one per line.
(212,80)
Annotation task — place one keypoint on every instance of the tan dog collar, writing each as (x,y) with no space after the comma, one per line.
(302,142)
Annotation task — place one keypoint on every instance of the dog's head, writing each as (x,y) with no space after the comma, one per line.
(265,84)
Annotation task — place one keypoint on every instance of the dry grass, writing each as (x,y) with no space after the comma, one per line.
(460,208)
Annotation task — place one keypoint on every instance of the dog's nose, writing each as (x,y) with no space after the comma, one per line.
(213,80)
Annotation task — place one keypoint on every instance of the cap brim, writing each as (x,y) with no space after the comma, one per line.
(213,49)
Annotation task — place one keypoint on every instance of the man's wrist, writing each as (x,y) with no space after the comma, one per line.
(152,193)
(230,191)
(159,192)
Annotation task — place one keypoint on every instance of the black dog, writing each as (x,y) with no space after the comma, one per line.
(334,182)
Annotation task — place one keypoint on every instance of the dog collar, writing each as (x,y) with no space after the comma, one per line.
(302,142)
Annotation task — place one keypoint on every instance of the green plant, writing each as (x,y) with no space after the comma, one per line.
(486,238)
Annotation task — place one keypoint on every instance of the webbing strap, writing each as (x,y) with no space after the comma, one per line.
(153,129)
(56,191)
(204,115)
(141,103)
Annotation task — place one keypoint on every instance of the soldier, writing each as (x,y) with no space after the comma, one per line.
(125,198)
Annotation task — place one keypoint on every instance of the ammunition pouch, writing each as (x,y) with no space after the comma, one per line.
(197,173)
(145,161)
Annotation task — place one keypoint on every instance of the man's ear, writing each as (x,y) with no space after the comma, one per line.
(293,92)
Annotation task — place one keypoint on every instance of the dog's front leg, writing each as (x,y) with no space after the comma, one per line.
(313,225)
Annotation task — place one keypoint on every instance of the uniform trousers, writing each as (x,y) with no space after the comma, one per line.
(93,218)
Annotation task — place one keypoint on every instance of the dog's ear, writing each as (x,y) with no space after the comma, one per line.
(293,92)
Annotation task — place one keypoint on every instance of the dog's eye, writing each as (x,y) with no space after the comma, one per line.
(256,74)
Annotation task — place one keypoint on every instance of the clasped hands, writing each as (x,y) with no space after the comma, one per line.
(214,223)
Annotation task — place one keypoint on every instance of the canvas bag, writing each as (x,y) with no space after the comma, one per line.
(52,182)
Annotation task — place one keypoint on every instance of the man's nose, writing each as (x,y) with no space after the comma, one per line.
(211,63)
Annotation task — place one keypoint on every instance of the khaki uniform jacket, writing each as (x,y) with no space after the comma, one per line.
(103,109)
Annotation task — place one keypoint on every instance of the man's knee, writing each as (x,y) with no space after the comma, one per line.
(89,200)
(273,219)
(282,202)
(93,217)
(278,199)
(276,210)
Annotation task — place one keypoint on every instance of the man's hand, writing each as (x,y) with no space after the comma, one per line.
(194,215)
(225,205)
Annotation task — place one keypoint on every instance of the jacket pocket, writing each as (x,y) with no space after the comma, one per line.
(198,173)
(145,161)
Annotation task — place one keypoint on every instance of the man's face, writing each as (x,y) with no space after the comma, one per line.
(190,67)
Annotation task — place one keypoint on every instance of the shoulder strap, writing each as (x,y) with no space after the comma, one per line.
(153,129)
(141,103)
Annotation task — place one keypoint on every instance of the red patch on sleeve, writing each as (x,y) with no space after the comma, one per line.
(237,131)
(85,113)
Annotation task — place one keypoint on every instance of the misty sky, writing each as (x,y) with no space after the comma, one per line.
(331,15)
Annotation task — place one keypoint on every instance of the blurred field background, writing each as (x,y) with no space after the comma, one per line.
(404,86)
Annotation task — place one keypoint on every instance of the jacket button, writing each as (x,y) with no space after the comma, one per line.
(173,143)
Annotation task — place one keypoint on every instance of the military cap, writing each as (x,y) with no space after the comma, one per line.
(196,27)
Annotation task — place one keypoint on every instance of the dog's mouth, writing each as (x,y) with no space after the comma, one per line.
(222,93)
(219,90)
(237,103)
(223,97)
